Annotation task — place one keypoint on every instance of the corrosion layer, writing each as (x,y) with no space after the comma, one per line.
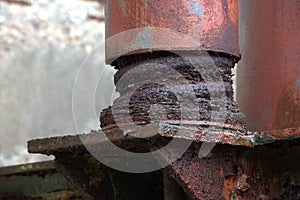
(268,81)
(191,90)
(269,171)
(138,26)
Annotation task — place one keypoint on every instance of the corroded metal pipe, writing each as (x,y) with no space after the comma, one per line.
(142,36)
(136,36)
(269,72)
(229,172)
(213,23)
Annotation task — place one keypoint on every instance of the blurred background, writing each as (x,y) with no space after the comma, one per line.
(42,45)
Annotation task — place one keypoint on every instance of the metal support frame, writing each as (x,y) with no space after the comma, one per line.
(261,164)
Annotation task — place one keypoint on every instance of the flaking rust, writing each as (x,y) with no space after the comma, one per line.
(232,170)
(266,171)
(206,178)
(194,112)
(201,109)
(189,38)
(139,91)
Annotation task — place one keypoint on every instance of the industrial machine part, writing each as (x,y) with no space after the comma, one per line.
(243,164)
(269,170)
(213,23)
(34,181)
(208,49)
(268,80)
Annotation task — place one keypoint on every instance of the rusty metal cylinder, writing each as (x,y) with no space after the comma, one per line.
(212,23)
(268,90)
(168,54)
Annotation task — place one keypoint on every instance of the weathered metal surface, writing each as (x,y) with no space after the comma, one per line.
(34,181)
(91,178)
(84,174)
(206,178)
(269,171)
(268,78)
(95,181)
(27,168)
(71,143)
(213,24)
(265,172)
(207,105)
(172,191)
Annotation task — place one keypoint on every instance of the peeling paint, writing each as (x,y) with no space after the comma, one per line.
(298,82)
(144,39)
(259,140)
(123,6)
(197,8)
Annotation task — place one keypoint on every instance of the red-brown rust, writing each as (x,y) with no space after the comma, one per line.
(68,143)
(209,178)
(269,72)
(268,171)
(213,24)
(288,133)
(169,82)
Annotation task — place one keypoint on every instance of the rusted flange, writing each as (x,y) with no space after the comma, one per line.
(202,108)
(136,36)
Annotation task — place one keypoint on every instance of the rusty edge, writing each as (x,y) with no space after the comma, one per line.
(18,2)
(26,168)
(251,139)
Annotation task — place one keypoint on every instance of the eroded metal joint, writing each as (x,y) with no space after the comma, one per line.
(176,76)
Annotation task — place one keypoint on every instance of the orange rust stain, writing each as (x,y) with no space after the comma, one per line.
(233,10)
(212,25)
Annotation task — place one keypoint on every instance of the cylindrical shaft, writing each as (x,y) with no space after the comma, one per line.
(269,72)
